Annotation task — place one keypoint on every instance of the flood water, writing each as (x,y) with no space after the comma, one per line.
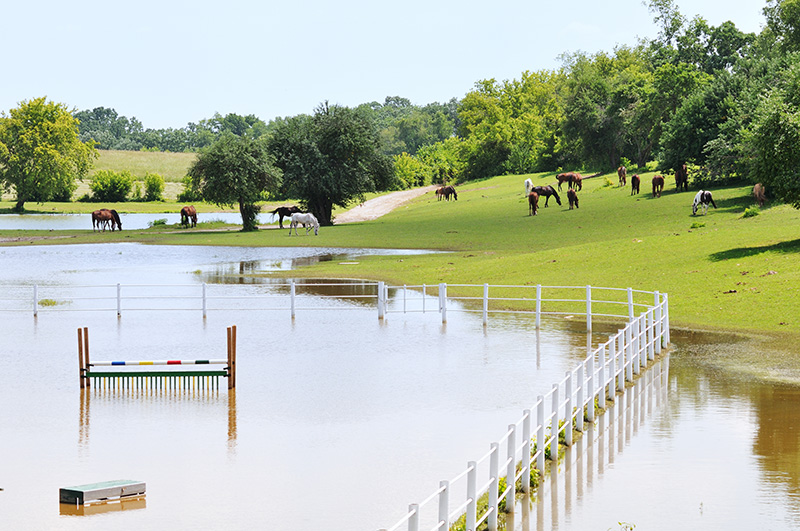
(129,221)
(339,421)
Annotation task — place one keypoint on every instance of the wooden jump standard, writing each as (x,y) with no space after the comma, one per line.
(87,371)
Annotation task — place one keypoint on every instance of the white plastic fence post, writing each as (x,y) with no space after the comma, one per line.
(443,297)
(472,495)
(205,307)
(540,435)
(666,321)
(621,361)
(485,304)
(511,470)
(526,453)
(630,304)
(381,301)
(413,521)
(629,352)
(119,300)
(494,472)
(636,345)
(592,385)
(538,305)
(568,414)
(612,369)
(588,308)
(444,505)
(35,300)
(293,296)
(554,426)
(657,301)
(581,384)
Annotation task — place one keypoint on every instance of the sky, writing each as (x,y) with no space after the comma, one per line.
(170,63)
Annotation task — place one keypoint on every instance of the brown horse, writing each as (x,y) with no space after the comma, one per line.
(577,181)
(187,213)
(285,212)
(572,196)
(439,193)
(533,203)
(622,172)
(760,194)
(658,185)
(546,191)
(682,179)
(565,178)
(104,217)
(448,191)
(635,180)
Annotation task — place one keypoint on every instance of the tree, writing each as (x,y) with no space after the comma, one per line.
(331,158)
(236,170)
(40,152)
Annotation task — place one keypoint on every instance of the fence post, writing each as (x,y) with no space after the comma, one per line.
(581,382)
(424,296)
(205,304)
(612,370)
(621,361)
(540,435)
(526,453)
(554,427)
(658,322)
(494,473)
(119,300)
(588,308)
(511,469)
(381,302)
(629,356)
(405,290)
(293,295)
(485,304)
(592,385)
(35,300)
(443,300)
(413,521)
(666,321)
(568,414)
(444,505)
(472,495)
(630,304)
(538,306)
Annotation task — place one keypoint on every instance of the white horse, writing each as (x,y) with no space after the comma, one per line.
(308,220)
(702,199)
(528,186)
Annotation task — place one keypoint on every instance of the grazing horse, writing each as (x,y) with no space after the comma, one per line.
(546,191)
(682,178)
(658,185)
(187,213)
(284,212)
(306,219)
(533,203)
(577,181)
(702,199)
(760,194)
(635,180)
(528,186)
(439,193)
(103,217)
(572,196)
(447,191)
(622,172)
(565,178)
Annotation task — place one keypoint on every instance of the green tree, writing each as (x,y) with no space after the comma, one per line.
(236,170)
(331,158)
(40,152)
(108,185)
(153,187)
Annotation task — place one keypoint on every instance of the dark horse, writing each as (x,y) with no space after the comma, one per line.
(572,196)
(449,190)
(285,212)
(103,217)
(682,178)
(635,180)
(658,185)
(546,191)
(533,203)
(187,213)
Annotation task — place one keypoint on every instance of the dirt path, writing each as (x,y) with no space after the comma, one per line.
(375,208)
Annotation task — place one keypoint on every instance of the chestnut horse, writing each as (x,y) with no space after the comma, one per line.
(622,172)
(682,178)
(577,181)
(187,213)
(103,217)
(760,194)
(572,196)
(658,185)
(565,178)
(533,203)
(635,180)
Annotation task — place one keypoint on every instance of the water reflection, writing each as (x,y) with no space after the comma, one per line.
(131,503)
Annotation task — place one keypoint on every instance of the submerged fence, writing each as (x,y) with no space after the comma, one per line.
(293,297)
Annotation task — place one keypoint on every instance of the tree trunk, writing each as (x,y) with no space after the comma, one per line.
(249,213)
(20,206)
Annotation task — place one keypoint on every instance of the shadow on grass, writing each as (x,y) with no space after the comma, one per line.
(792,246)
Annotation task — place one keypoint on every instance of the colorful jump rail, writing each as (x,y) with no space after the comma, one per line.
(197,378)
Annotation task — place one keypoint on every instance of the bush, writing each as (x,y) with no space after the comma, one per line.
(190,193)
(111,186)
(153,187)
(750,212)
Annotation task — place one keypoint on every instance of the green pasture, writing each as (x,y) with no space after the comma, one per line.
(721,271)
(171,166)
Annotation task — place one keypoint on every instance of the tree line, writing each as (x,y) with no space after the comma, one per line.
(721,100)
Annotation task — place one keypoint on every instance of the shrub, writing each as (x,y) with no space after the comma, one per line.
(161,222)
(111,186)
(190,194)
(750,212)
(153,187)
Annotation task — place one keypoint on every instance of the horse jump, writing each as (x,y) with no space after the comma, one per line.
(153,379)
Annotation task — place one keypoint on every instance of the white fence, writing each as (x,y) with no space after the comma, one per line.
(293,297)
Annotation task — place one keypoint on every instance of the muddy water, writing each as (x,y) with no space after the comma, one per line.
(338,421)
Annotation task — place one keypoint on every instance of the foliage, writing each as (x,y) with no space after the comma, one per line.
(190,193)
(750,212)
(153,187)
(40,152)
(236,170)
(111,186)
